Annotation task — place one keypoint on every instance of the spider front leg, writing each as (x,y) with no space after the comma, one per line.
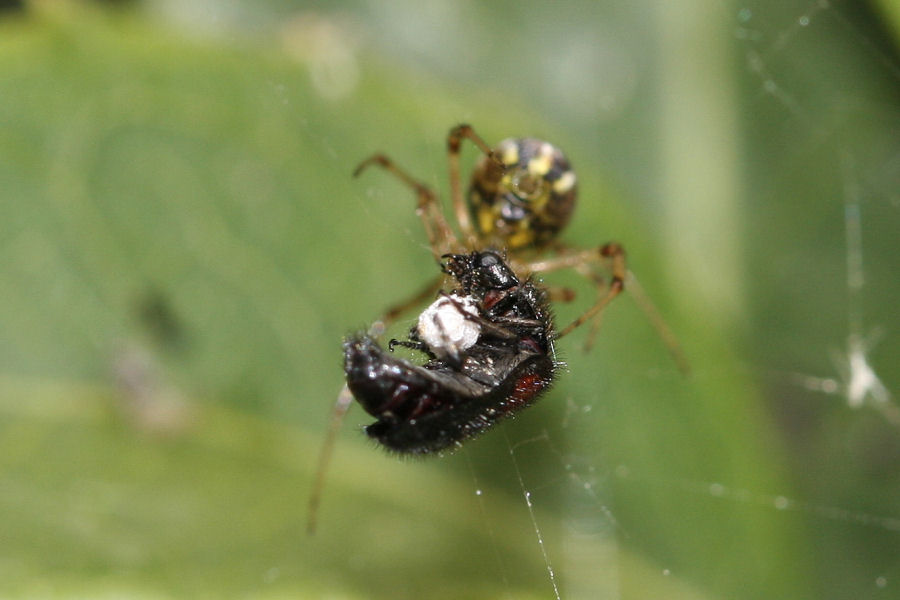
(341,406)
(600,283)
(454,141)
(612,257)
(440,236)
(345,399)
(395,310)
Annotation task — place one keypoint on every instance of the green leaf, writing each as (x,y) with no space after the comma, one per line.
(184,249)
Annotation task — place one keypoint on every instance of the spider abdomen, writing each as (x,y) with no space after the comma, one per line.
(526,201)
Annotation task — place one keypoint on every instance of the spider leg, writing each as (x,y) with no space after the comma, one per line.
(568,258)
(426,293)
(616,254)
(612,256)
(440,237)
(454,141)
(600,282)
(636,291)
(341,406)
(560,294)
(345,399)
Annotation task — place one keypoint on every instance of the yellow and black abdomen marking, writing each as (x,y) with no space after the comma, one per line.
(529,200)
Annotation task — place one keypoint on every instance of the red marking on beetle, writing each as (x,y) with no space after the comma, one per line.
(492,297)
(527,387)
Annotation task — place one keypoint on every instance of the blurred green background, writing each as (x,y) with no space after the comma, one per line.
(183,248)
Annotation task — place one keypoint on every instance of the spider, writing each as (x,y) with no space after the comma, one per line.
(521,196)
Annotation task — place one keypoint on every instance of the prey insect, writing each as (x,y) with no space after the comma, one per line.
(486,358)
(489,345)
